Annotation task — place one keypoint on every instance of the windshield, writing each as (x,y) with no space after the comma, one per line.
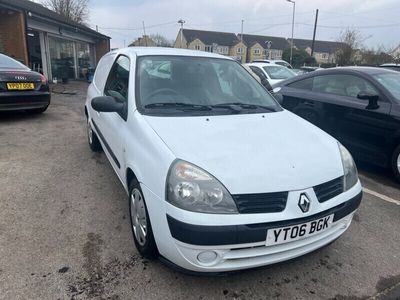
(198,85)
(391,81)
(278,72)
(9,63)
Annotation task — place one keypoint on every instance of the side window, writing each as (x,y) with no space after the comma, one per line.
(117,84)
(305,84)
(356,84)
(342,85)
(330,84)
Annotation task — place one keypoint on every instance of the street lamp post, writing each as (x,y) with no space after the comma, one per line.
(291,46)
(181,22)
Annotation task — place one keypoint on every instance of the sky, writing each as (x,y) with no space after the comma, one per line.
(377,20)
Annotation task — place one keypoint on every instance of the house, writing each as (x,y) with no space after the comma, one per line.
(263,47)
(324,51)
(47,42)
(144,41)
(224,43)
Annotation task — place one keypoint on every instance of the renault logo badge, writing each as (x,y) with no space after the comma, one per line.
(304,203)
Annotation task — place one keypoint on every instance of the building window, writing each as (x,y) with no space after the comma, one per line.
(70,59)
(239,50)
(197,47)
(257,51)
(208,48)
(62,58)
(226,50)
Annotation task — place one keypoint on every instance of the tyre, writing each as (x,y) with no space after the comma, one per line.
(93,140)
(396,163)
(140,222)
(38,110)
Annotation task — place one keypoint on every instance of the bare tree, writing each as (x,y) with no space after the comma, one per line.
(377,56)
(349,42)
(161,40)
(75,10)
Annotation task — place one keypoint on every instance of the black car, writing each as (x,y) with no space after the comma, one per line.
(21,88)
(359,106)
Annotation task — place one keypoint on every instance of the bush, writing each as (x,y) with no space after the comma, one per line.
(300,58)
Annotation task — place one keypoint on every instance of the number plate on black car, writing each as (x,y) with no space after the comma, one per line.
(20,86)
(281,235)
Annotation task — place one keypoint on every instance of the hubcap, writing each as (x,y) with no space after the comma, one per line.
(398,163)
(90,133)
(138,216)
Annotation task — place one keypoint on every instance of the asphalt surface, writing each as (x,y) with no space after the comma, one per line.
(65,232)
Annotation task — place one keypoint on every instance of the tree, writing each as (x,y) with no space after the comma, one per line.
(376,57)
(349,42)
(161,40)
(300,57)
(74,10)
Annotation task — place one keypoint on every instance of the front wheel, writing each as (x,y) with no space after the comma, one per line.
(396,163)
(140,222)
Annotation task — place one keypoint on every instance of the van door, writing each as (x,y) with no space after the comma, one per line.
(110,125)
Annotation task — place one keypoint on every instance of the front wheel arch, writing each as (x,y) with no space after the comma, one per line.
(130,176)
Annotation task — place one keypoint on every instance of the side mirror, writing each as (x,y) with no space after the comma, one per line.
(107,104)
(371,98)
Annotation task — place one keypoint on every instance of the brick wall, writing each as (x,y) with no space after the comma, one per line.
(13,35)
(102,47)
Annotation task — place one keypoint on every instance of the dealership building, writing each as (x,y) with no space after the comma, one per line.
(48,42)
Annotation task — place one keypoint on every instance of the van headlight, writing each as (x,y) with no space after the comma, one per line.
(349,167)
(191,188)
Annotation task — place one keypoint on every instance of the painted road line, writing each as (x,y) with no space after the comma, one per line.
(383,197)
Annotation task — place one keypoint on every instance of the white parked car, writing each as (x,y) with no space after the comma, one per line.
(280,62)
(274,73)
(219,176)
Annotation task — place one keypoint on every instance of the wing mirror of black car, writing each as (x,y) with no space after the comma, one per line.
(107,104)
(278,96)
(371,98)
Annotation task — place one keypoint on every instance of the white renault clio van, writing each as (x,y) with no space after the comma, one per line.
(219,176)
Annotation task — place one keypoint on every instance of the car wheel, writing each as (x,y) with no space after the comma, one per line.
(38,110)
(140,222)
(93,140)
(396,163)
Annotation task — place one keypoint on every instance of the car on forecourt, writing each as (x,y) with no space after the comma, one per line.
(360,106)
(21,88)
(219,177)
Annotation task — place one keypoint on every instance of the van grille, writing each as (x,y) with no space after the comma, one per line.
(261,203)
(328,190)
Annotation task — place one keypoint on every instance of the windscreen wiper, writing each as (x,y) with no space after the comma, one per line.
(178,105)
(238,106)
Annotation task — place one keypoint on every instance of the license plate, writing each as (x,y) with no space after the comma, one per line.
(20,86)
(281,235)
